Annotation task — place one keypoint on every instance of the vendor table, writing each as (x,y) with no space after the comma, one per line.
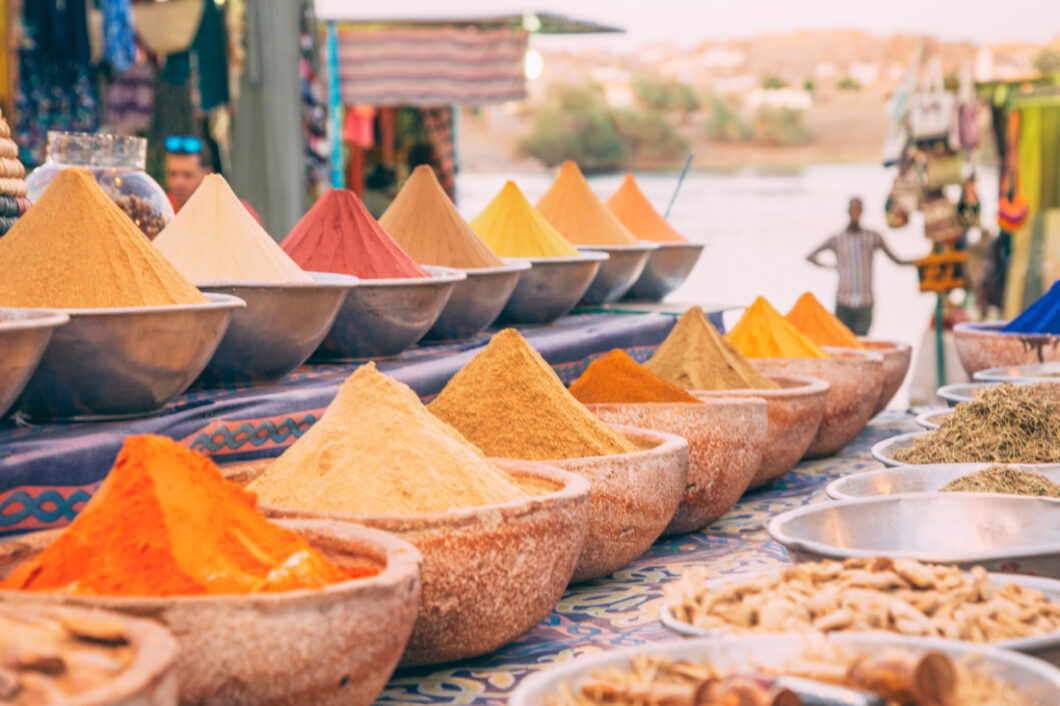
(622,610)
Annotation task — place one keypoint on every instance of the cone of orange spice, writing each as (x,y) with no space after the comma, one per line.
(820,325)
(617,378)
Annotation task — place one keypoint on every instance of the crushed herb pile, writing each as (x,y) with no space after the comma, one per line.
(1004,479)
(1004,424)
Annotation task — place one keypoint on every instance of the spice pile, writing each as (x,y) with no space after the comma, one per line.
(213,237)
(339,235)
(820,325)
(763,333)
(76,249)
(1004,424)
(377,450)
(511,404)
(13,190)
(1043,316)
(695,357)
(902,596)
(165,523)
(574,210)
(1005,480)
(617,378)
(514,228)
(633,209)
(427,226)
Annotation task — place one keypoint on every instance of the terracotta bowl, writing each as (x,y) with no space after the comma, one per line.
(982,345)
(151,677)
(490,573)
(795,413)
(336,645)
(896,359)
(854,378)
(725,440)
(633,497)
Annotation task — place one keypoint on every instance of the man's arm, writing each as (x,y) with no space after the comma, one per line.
(882,245)
(814,257)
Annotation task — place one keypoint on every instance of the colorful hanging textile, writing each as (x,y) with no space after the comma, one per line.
(131,99)
(430,66)
(119,39)
(438,123)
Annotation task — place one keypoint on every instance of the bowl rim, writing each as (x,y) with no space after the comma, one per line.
(216,301)
(639,246)
(999,374)
(776,530)
(885,345)
(805,385)
(923,417)
(33,319)
(318,280)
(952,392)
(582,257)
(506,268)
(663,442)
(751,401)
(880,448)
(993,328)
(834,489)
(842,356)
(677,244)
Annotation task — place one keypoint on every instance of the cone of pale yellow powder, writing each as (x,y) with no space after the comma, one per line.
(512,227)
(574,210)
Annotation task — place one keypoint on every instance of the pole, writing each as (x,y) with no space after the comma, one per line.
(680,180)
(940,351)
(335,114)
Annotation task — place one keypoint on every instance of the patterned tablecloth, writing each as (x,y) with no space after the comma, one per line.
(623,609)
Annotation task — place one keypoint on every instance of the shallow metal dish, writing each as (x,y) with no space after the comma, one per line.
(883,452)
(1010,533)
(24,334)
(477,301)
(928,478)
(1036,372)
(380,318)
(966,391)
(618,273)
(551,287)
(927,419)
(127,362)
(1037,681)
(280,327)
(667,268)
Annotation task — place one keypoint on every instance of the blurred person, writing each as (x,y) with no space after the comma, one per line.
(854,249)
(187,164)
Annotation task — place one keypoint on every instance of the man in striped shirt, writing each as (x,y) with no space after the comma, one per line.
(854,249)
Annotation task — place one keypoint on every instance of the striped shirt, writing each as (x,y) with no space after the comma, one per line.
(853,251)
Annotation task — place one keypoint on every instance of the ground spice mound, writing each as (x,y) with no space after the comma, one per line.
(165,523)
(633,209)
(617,378)
(1004,424)
(427,226)
(820,325)
(338,234)
(574,210)
(377,450)
(76,249)
(1004,479)
(511,404)
(695,357)
(213,237)
(763,333)
(514,228)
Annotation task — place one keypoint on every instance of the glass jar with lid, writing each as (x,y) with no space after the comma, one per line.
(117,162)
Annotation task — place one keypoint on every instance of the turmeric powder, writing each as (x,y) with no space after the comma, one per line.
(617,378)
(165,523)
(820,325)
(763,333)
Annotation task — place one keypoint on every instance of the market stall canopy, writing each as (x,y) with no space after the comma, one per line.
(485,13)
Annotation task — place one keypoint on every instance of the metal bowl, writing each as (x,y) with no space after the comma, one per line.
(619,272)
(551,287)
(985,345)
(477,301)
(124,362)
(1036,372)
(1011,533)
(1037,681)
(966,391)
(24,334)
(883,452)
(928,478)
(280,327)
(380,318)
(932,418)
(665,271)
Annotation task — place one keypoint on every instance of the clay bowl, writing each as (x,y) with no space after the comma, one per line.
(149,680)
(983,345)
(854,380)
(336,645)
(896,358)
(795,413)
(490,573)
(726,439)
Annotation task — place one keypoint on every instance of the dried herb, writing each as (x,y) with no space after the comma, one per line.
(1004,479)
(1004,424)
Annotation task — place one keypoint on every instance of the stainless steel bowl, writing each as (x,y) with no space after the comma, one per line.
(665,271)
(1009,533)
(280,327)
(618,273)
(477,301)
(127,362)
(551,288)
(380,318)
(966,391)
(1036,372)
(928,478)
(932,418)
(883,451)
(1037,681)
(24,334)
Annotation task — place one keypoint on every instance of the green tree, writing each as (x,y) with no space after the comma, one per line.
(809,85)
(848,84)
(773,82)
(575,123)
(1047,61)
(648,134)
(668,95)
(780,126)
(724,123)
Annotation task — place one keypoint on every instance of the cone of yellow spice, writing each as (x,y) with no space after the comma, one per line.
(633,209)
(616,379)
(820,325)
(510,403)
(763,333)
(512,227)
(575,211)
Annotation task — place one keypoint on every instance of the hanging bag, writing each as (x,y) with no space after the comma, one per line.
(941,224)
(944,169)
(932,110)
